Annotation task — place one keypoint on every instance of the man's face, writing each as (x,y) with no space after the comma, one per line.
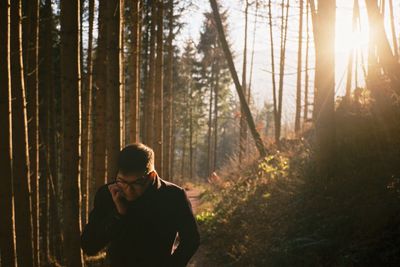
(131,185)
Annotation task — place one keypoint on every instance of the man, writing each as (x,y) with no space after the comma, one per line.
(138,216)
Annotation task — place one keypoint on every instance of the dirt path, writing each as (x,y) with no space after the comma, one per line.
(200,258)
(194,197)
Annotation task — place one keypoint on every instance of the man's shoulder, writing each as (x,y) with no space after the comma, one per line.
(171,186)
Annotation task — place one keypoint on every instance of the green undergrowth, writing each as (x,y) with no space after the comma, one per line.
(278,212)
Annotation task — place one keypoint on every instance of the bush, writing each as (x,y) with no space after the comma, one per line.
(277,213)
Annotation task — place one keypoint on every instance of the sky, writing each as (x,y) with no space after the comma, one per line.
(261,82)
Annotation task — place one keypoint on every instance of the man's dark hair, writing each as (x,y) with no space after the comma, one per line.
(135,159)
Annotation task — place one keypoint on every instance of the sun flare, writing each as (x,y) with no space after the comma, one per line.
(346,38)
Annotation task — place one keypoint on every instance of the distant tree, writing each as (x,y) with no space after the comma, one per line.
(7,229)
(224,44)
(243,123)
(284,28)
(299,69)
(306,78)
(274,93)
(217,79)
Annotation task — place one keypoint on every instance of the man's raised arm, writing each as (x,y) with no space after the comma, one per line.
(104,223)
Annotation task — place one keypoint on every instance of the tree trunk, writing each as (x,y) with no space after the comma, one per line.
(169,93)
(325,87)
(21,166)
(135,90)
(252,64)
(243,125)
(7,228)
(84,117)
(89,145)
(282,66)
(299,69)
(216,96)
(48,162)
(380,43)
(351,54)
(100,80)
(306,78)
(122,91)
(393,28)
(256,136)
(209,132)
(70,84)
(190,108)
(145,65)
(113,86)
(150,90)
(158,96)
(31,51)
(252,54)
(275,102)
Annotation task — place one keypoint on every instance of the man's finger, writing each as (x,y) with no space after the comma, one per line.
(114,190)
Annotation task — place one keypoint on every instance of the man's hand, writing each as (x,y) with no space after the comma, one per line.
(117,197)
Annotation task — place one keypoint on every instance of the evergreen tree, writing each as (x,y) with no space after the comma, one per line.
(217,79)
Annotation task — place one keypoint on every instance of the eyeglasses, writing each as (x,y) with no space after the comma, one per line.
(140,181)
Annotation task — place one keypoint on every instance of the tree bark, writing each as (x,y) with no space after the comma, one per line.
(169,93)
(21,166)
(48,155)
(7,227)
(114,85)
(89,145)
(256,136)
(71,86)
(158,97)
(150,90)
(325,87)
(100,83)
(135,90)
(31,51)
(122,91)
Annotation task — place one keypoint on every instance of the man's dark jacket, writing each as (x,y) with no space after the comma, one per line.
(145,235)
